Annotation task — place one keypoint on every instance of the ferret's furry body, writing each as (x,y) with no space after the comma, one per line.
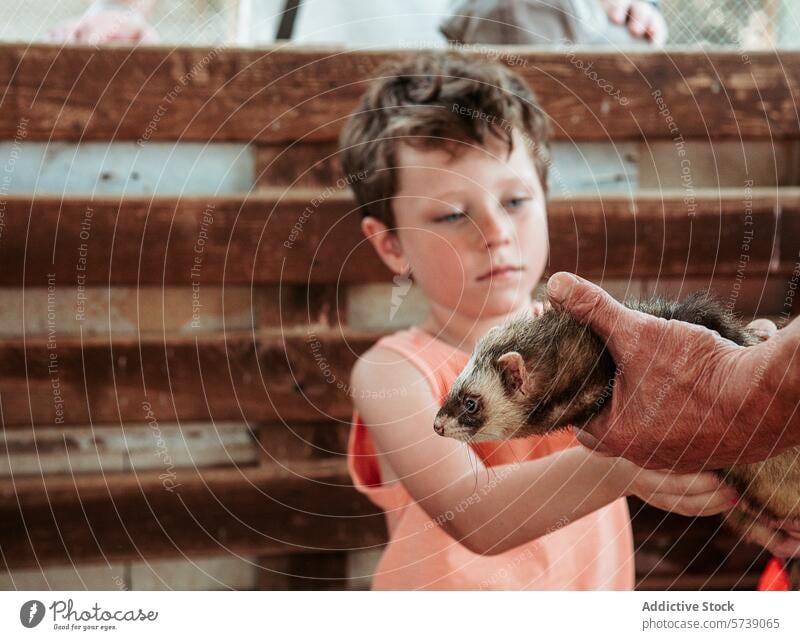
(537,375)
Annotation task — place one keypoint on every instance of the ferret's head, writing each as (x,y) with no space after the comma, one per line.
(532,376)
(490,399)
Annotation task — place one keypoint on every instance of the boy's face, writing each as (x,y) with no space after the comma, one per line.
(460,218)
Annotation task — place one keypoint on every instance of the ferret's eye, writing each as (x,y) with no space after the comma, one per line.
(470,405)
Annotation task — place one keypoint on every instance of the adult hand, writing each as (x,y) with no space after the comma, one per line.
(643,19)
(683,397)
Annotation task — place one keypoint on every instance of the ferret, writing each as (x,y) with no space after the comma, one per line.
(536,375)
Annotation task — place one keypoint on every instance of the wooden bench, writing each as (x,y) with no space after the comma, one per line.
(730,117)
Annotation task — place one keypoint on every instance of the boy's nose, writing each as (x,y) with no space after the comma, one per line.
(496,229)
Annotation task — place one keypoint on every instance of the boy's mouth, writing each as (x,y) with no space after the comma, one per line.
(500,271)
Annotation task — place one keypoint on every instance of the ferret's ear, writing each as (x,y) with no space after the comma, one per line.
(513,372)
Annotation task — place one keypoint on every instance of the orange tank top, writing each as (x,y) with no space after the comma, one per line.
(594,552)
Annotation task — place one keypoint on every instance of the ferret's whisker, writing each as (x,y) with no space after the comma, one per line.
(474,469)
(467,449)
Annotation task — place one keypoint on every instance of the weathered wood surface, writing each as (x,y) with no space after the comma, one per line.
(110,517)
(284,237)
(278,94)
(678,552)
(267,376)
(292,496)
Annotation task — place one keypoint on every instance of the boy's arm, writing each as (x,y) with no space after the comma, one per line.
(491,510)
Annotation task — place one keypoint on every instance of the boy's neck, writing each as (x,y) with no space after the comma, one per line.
(462,331)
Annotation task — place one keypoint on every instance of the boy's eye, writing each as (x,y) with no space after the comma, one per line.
(451,217)
(470,405)
(516,203)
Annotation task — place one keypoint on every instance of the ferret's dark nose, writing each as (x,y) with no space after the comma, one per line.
(438,427)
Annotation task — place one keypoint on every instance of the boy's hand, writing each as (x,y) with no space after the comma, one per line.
(689,494)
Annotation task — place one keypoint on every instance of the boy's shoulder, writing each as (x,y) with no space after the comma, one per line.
(385,368)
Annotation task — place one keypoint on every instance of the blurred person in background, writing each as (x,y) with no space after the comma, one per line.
(385,24)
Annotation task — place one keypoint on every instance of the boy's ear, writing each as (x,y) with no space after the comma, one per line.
(513,373)
(386,244)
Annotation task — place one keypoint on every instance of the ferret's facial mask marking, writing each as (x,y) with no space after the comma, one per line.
(469,415)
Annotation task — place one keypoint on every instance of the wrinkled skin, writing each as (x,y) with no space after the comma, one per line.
(711,403)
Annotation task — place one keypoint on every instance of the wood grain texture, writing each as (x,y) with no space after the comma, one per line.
(291,93)
(74,519)
(267,376)
(679,552)
(299,237)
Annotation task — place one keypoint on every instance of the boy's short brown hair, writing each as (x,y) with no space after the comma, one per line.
(435,100)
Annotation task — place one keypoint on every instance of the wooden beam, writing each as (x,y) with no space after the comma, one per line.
(290,93)
(92,518)
(679,552)
(267,376)
(305,236)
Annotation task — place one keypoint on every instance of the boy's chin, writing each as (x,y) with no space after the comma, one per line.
(498,303)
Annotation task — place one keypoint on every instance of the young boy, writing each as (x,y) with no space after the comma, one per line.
(455,156)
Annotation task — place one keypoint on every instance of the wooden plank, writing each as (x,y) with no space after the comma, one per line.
(289,305)
(218,572)
(191,241)
(748,297)
(292,443)
(283,94)
(230,571)
(384,305)
(301,375)
(304,572)
(575,167)
(91,577)
(297,164)
(662,234)
(674,551)
(112,517)
(305,237)
(718,163)
(716,581)
(790,255)
(132,310)
(138,447)
(125,168)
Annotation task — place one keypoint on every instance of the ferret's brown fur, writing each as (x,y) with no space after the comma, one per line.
(537,375)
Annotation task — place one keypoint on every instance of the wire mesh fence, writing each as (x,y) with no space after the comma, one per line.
(750,24)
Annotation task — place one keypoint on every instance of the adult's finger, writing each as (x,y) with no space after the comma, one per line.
(590,305)
(693,505)
(687,484)
(763,328)
(590,442)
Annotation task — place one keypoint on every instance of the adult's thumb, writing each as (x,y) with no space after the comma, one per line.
(589,304)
